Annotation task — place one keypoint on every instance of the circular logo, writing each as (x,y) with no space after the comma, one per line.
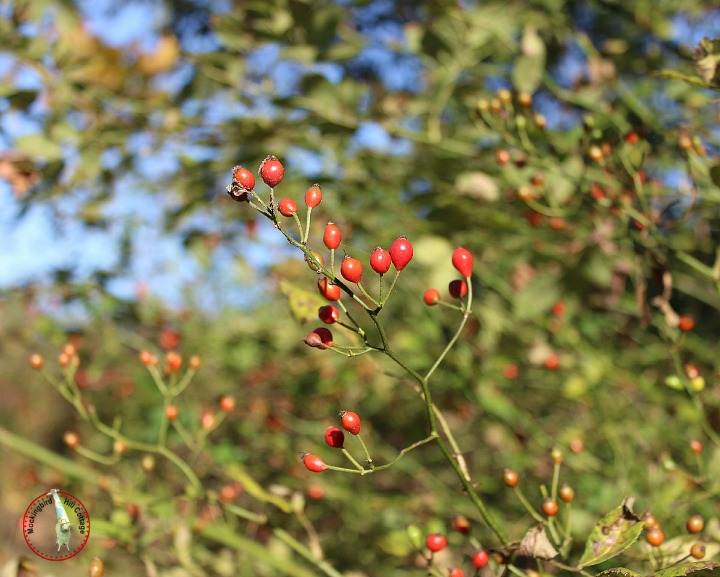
(56,525)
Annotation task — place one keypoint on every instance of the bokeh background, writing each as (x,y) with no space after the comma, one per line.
(119,126)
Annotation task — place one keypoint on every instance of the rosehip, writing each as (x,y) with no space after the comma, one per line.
(502,157)
(401,252)
(696,446)
(332,236)
(313,196)
(461,524)
(655,537)
(436,542)
(287,207)
(380,260)
(695,524)
(319,338)
(207,420)
(271,171)
(686,323)
(351,269)
(456,572)
(313,463)
(566,493)
(97,568)
(227,404)
(71,439)
(330,291)
(431,297)
(697,550)
(174,361)
(552,362)
(194,362)
(315,492)
(36,361)
(458,288)
(462,260)
(350,422)
(318,257)
(550,507)
(244,177)
(481,558)
(334,437)
(171,412)
(328,314)
(510,478)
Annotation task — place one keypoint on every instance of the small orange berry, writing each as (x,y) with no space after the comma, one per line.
(696,446)
(695,524)
(171,412)
(227,404)
(71,439)
(174,361)
(510,478)
(649,521)
(566,493)
(550,507)
(36,361)
(655,537)
(195,362)
(120,446)
(697,550)
(207,420)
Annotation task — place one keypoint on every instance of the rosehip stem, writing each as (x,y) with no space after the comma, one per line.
(184,382)
(304,239)
(521,497)
(351,459)
(300,228)
(360,471)
(390,290)
(245,514)
(372,300)
(97,457)
(368,458)
(555,481)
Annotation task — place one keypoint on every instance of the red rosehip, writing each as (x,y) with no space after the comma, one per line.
(244,177)
(480,558)
(171,412)
(313,463)
(502,157)
(334,437)
(319,338)
(313,196)
(330,291)
(550,507)
(431,297)
(271,171)
(315,492)
(174,361)
(227,404)
(207,420)
(511,371)
(462,260)
(686,323)
(36,361)
(350,422)
(696,446)
(456,572)
(458,288)
(328,314)
(558,308)
(511,478)
(552,362)
(380,260)
(287,207)
(332,236)
(461,524)
(436,542)
(401,251)
(351,269)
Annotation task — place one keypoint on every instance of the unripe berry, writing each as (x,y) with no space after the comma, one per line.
(510,478)
(566,493)
(350,422)
(195,362)
(334,437)
(380,260)
(480,558)
(244,178)
(207,420)
(318,257)
(332,236)
(71,439)
(649,521)
(313,463)
(696,446)
(461,524)
(328,314)
(436,542)
(698,550)
(550,507)
(431,297)
(695,524)
(313,196)
(462,260)
(556,455)
(458,288)
(287,207)
(227,404)
(401,252)
(97,568)
(271,171)
(351,269)
(655,537)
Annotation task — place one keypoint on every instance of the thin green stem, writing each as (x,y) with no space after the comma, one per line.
(352,459)
(368,458)
(555,481)
(97,457)
(307,225)
(243,513)
(527,505)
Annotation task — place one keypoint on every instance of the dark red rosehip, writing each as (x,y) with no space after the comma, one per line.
(328,314)
(332,236)
(686,323)
(330,291)
(334,437)
(458,288)
(244,177)
(380,260)
(351,269)
(287,207)
(350,422)
(271,171)
(313,463)
(480,558)
(401,252)
(462,260)
(431,297)
(319,338)
(436,542)
(313,196)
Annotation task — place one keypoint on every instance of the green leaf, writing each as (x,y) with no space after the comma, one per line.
(707,60)
(529,68)
(618,572)
(304,304)
(39,146)
(614,533)
(698,569)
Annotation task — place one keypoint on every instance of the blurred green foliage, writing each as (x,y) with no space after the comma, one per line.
(625,243)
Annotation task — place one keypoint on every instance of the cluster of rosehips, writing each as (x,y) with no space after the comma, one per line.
(335,438)
(330,285)
(655,536)
(436,542)
(462,260)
